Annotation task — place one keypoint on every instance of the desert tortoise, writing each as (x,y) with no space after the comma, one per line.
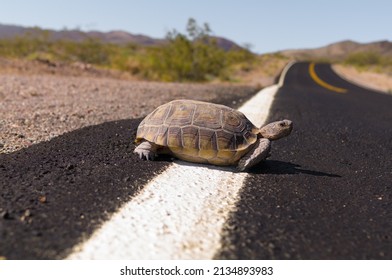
(204,132)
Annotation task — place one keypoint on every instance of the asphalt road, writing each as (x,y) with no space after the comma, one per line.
(325,193)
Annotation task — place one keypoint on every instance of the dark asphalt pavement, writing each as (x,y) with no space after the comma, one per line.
(56,192)
(325,193)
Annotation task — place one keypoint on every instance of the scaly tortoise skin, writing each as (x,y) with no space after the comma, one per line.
(204,132)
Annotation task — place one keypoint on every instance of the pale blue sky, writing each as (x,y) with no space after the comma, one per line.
(267,25)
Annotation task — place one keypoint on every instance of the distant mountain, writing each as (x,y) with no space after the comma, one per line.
(115,37)
(225,43)
(8,31)
(341,50)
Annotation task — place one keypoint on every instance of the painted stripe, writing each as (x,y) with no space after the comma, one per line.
(284,72)
(322,83)
(180,213)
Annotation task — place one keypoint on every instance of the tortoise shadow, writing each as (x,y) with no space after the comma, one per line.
(274,167)
(278,167)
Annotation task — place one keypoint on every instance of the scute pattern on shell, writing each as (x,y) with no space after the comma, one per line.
(199,131)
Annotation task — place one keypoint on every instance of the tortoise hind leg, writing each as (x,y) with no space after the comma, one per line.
(259,152)
(146,150)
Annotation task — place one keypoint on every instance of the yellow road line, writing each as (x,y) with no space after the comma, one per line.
(320,82)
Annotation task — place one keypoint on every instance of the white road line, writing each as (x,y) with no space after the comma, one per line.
(180,213)
(284,72)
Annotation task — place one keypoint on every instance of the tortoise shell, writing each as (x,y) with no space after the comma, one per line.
(199,131)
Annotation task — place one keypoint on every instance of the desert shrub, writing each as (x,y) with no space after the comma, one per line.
(364,59)
(192,57)
(23,46)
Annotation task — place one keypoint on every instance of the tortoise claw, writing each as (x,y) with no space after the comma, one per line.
(146,150)
(147,155)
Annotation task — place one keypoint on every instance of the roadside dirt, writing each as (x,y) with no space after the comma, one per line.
(372,80)
(36,108)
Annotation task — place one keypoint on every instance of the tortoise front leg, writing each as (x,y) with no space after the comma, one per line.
(146,150)
(259,152)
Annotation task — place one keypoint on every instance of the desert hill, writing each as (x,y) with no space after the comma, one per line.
(340,50)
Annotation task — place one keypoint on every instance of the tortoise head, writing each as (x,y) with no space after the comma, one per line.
(276,130)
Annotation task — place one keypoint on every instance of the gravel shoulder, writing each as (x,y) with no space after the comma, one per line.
(36,108)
